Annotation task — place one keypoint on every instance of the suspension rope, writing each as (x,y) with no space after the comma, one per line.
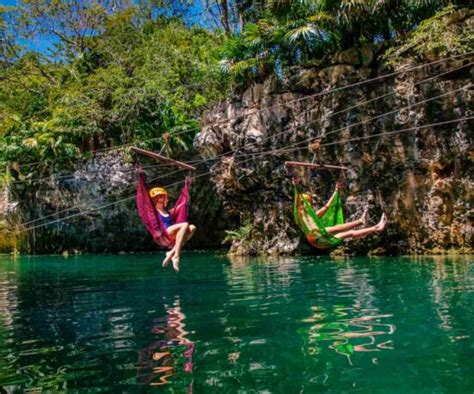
(283,150)
(254,156)
(382,115)
(288,150)
(253,112)
(416,128)
(79,206)
(54,177)
(367,120)
(302,125)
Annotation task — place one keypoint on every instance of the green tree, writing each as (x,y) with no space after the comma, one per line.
(284,33)
(126,78)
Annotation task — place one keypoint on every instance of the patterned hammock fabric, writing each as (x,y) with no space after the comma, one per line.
(149,216)
(314,227)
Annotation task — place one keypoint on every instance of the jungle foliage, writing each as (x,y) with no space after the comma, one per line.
(279,34)
(125,71)
(112,77)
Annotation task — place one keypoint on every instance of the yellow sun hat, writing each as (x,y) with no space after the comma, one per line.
(158,191)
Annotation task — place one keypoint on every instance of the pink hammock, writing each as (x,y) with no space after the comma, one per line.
(149,216)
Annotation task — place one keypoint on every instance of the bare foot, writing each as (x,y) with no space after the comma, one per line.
(158,355)
(365,216)
(383,222)
(168,258)
(175,260)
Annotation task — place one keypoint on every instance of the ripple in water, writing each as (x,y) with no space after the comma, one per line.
(123,324)
(171,353)
(347,335)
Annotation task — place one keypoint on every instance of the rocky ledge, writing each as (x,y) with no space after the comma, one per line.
(422,177)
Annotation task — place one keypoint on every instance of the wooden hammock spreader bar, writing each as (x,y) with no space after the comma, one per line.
(163,158)
(314,165)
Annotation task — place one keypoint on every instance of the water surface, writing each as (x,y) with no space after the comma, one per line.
(307,324)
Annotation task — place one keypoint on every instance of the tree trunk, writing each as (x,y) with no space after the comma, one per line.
(225,16)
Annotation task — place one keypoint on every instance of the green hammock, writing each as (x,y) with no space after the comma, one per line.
(317,235)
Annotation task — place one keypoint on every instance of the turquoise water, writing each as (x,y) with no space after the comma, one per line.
(123,324)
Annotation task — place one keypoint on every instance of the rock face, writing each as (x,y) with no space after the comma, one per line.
(8,214)
(106,181)
(421,177)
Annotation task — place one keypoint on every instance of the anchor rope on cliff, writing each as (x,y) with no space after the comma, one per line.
(56,176)
(118,193)
(250,154)
(349,126)
(307,97)
(48,178)
(281,150)
(253,157)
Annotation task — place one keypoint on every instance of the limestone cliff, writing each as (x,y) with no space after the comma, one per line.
(92,208)
(422,178)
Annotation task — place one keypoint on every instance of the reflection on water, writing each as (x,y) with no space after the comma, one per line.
(247,272)
(347,335)
(171,353)
(446,271)
(8,305)
(305,324)
(358,327)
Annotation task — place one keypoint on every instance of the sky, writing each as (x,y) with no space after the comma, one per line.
(42,44)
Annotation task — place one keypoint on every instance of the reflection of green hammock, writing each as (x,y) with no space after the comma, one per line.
(318,236)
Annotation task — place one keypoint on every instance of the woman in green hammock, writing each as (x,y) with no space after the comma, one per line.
(325,227)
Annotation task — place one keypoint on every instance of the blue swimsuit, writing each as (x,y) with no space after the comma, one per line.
(166,220)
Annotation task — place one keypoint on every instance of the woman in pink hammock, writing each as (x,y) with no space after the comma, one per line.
(181,232)
(169,229)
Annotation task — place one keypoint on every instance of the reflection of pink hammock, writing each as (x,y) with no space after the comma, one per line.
(149,216)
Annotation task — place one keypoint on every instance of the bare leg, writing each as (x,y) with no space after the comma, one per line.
(190,230)
(180,238)
(172,231)
(365,231)
(168,257)
(190,233)
(343,227)
(348,226)
(173,254)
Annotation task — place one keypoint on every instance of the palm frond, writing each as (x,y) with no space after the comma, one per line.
(252,35)
(305,32)
(243,67)
(426,3)
(30,142)
(357,5)
(224,66)
(321,17)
